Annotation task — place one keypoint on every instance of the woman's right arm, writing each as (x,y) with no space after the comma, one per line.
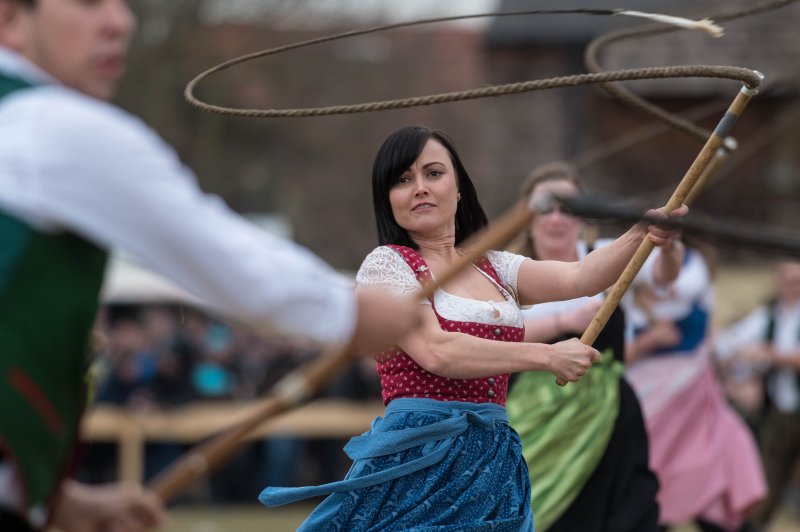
(462,356)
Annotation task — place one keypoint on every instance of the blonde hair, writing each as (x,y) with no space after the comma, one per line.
(552,171)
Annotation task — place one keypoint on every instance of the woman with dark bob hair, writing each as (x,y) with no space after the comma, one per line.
(443,456)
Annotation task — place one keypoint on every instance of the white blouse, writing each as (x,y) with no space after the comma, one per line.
(385,267)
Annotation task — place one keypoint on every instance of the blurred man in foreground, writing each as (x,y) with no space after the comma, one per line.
(79,176)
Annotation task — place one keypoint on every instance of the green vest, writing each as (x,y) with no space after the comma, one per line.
(49,285)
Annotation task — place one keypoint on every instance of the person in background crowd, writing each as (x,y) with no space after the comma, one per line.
(702,452)
(769,338)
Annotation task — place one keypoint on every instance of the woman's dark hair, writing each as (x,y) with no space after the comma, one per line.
(396,155)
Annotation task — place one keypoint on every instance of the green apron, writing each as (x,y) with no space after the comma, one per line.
(564,432)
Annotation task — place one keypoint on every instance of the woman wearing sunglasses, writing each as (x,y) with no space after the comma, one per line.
(585,443)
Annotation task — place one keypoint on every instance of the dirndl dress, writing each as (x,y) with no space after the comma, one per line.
(587,446)
(432,462)
(704,455)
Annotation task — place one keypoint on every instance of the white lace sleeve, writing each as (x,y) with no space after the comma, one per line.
(385,267)
(507,266)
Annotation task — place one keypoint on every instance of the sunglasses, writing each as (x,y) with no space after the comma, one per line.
(551,208)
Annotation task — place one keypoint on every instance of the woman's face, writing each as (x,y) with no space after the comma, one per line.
(555,228)
(425,198)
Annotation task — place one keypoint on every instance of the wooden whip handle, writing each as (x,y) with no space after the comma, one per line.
(682,192)
(290,391)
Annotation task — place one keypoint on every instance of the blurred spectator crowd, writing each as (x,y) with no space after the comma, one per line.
(163,356)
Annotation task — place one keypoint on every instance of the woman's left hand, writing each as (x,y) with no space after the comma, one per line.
(663,236)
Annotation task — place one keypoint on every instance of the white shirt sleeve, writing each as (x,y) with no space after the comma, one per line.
(506,265)
(69,162)
(385,267)
(746,332)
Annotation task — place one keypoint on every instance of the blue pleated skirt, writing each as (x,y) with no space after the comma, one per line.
(426,466)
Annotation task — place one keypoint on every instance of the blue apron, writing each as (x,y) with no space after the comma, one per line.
(426,465)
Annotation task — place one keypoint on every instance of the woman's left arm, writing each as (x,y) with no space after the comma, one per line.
(540,281)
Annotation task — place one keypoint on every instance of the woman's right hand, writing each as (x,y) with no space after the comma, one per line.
(571,359)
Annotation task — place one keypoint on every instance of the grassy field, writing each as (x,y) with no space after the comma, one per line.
(250,518)
(236,518)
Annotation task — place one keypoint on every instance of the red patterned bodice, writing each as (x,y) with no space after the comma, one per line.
(402,377)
